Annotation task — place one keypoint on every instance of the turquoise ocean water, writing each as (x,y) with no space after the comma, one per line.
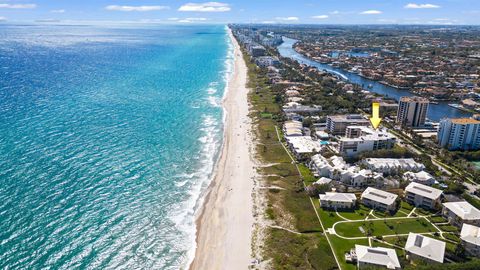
(108,137)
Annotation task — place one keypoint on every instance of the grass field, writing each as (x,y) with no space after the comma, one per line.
(384,227)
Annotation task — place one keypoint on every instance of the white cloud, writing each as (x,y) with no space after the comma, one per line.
(188,20)
(57,11)
(288,19)
(371,12)
(320,17)
(268,22)
(3,19)
(18,6)
(135,8)
(205,7)
(335,12)
(420,6)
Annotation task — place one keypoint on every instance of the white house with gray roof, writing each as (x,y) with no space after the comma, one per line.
(338,200)
(368,257)
(462,212)
(422,195)
(425,248)
(378,199)
(470,236)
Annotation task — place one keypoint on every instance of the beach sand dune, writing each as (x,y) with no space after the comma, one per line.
(226,221)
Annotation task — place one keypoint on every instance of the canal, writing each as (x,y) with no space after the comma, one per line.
(435,111)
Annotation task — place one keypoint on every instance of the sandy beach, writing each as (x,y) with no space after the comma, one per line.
(225,223)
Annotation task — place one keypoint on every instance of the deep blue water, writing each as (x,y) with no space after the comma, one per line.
(108,137)
(435,111)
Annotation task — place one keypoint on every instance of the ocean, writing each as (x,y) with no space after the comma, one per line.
(108,140)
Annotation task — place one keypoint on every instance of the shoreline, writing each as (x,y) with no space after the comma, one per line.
(225,221)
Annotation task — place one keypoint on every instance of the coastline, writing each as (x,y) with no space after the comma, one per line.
(225,221)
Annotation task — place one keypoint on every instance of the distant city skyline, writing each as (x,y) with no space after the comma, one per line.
(429,12)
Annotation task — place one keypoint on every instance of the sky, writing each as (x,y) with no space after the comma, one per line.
(441,12)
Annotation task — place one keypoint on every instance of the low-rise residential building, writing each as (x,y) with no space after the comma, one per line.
(323,181)
(336,200)
(425,248)
(379,200)
(392,165)
(293,128)
(302,146)
(361,139)
(337,124)
(422,177)
(294,107)
(336,168)
(267,61)
(422,196)
(470,236)
(368,257)
(462,212)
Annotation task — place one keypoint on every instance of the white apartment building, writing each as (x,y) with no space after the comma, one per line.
(459,213)
(392,165)
(470,236)
(361,139)
(368,257)
(412,111)
(425,248)
(459,134)
(337,124)
(336,200)
(422,196)
(378,199)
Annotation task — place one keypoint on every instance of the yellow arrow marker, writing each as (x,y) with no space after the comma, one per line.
(375,115)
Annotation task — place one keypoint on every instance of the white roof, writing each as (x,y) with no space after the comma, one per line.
(424,191)
(338,197)
(426,247)
(463,210)
(470,234)
(422,176)
(379,196)
(404,163)
(323,180)
(304,144)
(377,255)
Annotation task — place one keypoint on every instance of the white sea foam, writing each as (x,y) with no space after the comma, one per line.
(211,148)
(185,220)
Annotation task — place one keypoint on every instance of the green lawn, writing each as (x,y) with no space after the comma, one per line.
(448,228)
(387,214)
(357,214)
(406,207)
(341,246)
(306,174)
(328,217)
(384,227)
(437,219)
